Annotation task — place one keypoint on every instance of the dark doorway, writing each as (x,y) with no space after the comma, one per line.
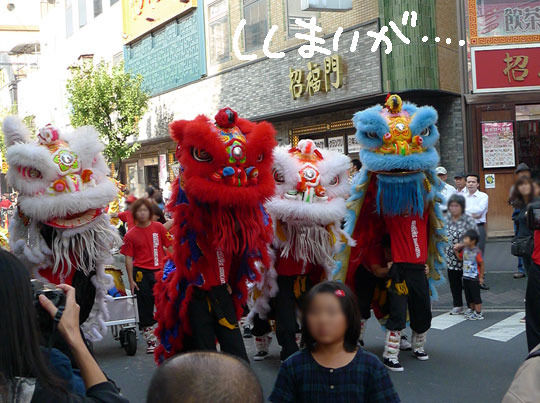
(151,174)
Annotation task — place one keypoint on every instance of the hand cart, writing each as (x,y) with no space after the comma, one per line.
(123,312)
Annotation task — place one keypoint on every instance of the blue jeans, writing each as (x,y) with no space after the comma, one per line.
(520,267)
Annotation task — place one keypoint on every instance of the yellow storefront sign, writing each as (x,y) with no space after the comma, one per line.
(141,16)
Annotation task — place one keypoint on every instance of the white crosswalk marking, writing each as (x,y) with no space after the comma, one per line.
(504,330)
(446,320)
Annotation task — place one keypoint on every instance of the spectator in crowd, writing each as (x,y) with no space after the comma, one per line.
(461,183)
(149,192)
(157,215)
(331,367)
(204,377)
(458,223)
(6,202)
(522,195)
(448,190)
(522,171)
(144,251)
(473,274)
(477,207)
(356,166)
(167,192)
(158,198)
(27,371)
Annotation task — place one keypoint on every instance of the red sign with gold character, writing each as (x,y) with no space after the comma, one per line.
(506,68)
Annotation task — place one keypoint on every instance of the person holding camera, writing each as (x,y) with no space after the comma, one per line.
(27,372)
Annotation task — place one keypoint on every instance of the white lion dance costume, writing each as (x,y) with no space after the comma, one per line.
(307,210)
(59,229)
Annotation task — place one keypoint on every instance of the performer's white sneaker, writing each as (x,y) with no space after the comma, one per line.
(457,310)
(404,344)
(418,341)
(391,351)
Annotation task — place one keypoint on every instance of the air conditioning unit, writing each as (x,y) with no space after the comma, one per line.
(326,5)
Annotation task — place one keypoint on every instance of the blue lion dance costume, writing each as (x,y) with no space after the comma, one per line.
(394,217)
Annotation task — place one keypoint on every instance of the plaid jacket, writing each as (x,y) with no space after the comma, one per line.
(364,379)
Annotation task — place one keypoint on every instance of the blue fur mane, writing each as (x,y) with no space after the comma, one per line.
(401,194)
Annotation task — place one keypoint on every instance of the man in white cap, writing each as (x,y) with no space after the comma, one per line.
(448,190)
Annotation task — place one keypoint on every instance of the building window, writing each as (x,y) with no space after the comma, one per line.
(98,7)
(218,27)
(82,13)
(69,19)
(256,15)
(293,12)
(113,1)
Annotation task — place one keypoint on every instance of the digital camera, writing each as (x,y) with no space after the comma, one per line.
(57,297)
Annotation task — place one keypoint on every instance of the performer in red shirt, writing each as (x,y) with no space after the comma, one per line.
(144,251)
(126,216)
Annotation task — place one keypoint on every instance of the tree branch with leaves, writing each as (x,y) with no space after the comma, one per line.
(111,100)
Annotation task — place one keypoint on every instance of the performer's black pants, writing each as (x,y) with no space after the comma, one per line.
(417,299)
(145,280)
(365,283)
(85,293)
(481,228)
(284,305)
(532,306)
(206,310)
(456,286)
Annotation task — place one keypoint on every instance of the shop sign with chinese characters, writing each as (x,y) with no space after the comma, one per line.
(506,68)
(318,79)
(496,22)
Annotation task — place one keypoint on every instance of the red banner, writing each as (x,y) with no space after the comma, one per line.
(512,68)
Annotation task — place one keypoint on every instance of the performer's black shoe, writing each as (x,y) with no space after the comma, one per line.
(421,354)
(261,355)
(247,332)
(393,365)
(484,286)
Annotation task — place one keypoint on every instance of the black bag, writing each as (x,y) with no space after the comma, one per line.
(522,246)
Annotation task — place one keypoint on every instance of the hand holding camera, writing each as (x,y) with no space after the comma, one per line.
(68,324)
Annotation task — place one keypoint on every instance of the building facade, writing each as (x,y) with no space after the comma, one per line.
(502,95)
(189,67)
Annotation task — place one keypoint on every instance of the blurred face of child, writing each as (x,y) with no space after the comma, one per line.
(325,319)
(468,242)
(142,214)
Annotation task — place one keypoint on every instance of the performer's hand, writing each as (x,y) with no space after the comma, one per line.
(426,269)
(69,322)
(133,286)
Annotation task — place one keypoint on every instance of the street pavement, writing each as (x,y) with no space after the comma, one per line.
(470,361)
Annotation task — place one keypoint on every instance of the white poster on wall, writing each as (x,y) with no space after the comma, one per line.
(319,143)
(162,170)
(336,144)
(352,144)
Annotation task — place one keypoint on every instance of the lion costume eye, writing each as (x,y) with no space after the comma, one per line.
(278,176)
(371,135)
(260,158)
(334,181)
(425,132)
(200,155)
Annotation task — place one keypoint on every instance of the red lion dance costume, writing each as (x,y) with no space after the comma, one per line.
(221,231)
